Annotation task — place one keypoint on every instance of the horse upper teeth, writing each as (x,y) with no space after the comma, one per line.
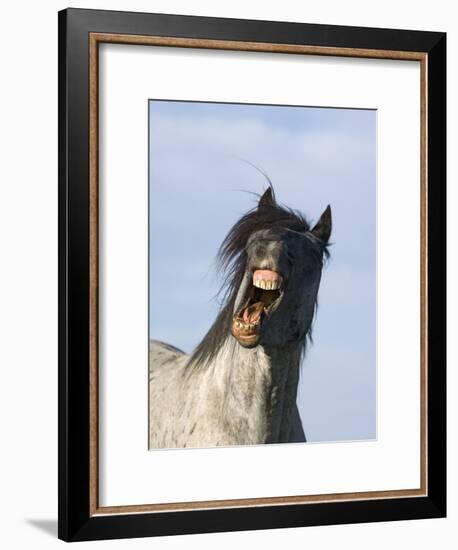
(267,285)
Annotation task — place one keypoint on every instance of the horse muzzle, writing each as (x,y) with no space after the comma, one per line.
(263,298)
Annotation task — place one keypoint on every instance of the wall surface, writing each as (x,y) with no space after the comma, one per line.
(28,289)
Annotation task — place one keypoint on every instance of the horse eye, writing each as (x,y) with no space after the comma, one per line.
(290,257)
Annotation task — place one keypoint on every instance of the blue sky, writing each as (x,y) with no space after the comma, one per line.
(199,187)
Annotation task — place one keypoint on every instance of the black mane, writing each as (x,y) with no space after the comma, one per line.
(231,260)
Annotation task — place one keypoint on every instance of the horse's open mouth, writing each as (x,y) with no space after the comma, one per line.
(263,297)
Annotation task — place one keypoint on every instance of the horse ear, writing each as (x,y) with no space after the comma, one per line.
(323,226)
(267,198)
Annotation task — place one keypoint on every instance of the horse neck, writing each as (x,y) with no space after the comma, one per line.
(258,387)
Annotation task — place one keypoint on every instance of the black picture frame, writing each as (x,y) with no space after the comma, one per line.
(76,519)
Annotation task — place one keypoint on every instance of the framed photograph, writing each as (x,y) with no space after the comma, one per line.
(251,274)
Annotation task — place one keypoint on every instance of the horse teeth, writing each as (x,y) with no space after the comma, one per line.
(267,285)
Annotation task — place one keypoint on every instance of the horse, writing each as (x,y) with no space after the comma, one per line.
(239,386)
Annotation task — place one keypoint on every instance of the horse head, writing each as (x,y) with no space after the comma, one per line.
(273,262)
(279,269)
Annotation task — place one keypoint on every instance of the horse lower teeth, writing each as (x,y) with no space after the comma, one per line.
(245,326)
